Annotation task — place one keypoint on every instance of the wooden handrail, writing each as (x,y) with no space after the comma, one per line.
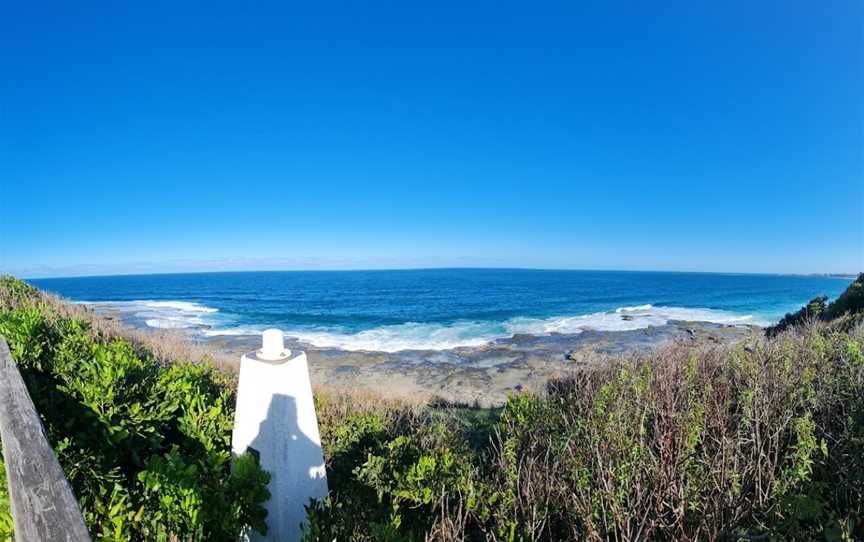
(43,505)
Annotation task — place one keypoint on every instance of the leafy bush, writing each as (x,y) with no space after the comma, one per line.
(810,312)
(5,514)
(145,446)
(761,441)
(388,466)
(850,301)
(848,307)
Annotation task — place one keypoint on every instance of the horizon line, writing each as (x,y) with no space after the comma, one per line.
(444,268)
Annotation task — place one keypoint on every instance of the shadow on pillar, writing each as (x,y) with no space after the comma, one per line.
(296,468)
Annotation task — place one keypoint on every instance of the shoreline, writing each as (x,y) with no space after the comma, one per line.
(484,375)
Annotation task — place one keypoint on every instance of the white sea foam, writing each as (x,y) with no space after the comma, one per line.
(436,336)
(235,331)
(184,306)
(173,323)
(634,309)
(624,319)
(425,336)
(160,314)
(407,336)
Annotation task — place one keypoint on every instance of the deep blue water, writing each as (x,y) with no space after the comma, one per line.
(440,308)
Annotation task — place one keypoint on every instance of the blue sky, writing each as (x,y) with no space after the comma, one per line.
(708,136)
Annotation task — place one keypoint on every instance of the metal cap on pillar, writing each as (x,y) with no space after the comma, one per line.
(273,346)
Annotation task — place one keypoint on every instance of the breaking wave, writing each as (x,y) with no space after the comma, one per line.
(439,336)
(417,335)
(160,314)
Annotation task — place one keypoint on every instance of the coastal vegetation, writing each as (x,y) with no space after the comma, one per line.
(760,440)
(5,516)
(144,444)
(848,306)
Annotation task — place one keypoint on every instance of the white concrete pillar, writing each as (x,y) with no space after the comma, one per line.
(276,417)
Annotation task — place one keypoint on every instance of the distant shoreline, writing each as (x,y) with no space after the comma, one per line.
(485,374)
(444,268)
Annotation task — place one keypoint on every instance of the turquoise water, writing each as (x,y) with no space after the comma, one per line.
(440,308)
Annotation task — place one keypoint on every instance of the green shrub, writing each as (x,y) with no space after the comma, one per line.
(848,308)
(146,447)
(760,441)
(387,472)
(808,313)
(850,301)
(5,514)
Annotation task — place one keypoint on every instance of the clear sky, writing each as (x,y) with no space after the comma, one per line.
(681,135)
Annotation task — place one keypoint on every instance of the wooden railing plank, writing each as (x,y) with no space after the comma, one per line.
(43,505)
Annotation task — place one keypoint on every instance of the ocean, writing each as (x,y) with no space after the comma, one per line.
(438,309)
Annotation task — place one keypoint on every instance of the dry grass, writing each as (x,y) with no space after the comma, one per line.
(694,444)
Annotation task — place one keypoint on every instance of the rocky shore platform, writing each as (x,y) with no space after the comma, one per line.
(485,375)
